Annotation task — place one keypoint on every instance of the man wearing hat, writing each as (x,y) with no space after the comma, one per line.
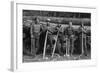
(42,38)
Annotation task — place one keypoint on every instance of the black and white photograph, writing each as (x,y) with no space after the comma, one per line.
(52,36)
(55,36)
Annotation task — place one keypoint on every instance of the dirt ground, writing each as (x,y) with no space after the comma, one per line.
(39,58)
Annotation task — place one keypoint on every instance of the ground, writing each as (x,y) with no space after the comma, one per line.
(39,58)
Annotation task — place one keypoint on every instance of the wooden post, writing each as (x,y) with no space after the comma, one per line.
(82,49)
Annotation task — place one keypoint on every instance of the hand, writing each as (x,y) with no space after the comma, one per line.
(72,36)
(32,36)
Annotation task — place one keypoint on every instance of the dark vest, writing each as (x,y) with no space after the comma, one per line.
(69,31)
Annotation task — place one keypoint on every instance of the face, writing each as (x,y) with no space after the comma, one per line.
(82,25)
(37,21)
(70,24)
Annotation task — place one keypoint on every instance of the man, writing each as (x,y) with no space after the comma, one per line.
(69,32)
(34,30)
(82,34)
(58,41)
(43,42)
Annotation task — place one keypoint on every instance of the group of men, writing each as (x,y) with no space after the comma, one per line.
(46,41)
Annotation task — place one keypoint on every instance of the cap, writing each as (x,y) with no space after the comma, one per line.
(48,20)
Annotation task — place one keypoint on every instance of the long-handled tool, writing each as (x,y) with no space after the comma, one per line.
(55,44)
(72,45)
(44,50)
(67,48)
(82,49)
(82,44)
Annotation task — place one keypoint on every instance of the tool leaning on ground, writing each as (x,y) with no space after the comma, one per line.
(44,50)
(83,31)
(55,42)
(45,43)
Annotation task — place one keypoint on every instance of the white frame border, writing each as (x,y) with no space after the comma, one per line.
(16,64)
